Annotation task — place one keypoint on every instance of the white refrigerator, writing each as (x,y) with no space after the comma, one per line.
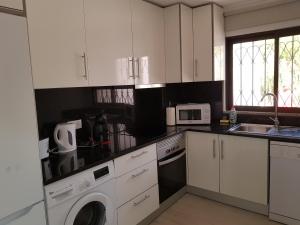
(21,189)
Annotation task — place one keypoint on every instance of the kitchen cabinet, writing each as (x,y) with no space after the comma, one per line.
(109,42)
(57,43)
(209,43)
(148,43)
(203,160)
(244,168)
(232,165)
(12,4)
(137,185)
(179,43)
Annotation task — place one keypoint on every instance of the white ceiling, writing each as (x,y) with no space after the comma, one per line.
(230,6)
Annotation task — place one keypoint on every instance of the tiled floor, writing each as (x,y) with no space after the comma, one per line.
(192,210)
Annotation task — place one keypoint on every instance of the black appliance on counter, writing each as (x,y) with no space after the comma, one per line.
(171,156)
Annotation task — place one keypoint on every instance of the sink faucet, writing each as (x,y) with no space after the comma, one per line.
(275,120)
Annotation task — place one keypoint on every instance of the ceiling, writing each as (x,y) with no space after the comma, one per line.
(230,6)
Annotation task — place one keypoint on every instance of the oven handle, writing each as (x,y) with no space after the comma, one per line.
(168,161)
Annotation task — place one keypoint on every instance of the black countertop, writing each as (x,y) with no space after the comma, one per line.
(59,166)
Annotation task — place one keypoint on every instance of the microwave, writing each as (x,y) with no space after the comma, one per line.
(193,114)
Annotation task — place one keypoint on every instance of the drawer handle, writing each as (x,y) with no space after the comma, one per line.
(139,174)
(138,155)
(141,201)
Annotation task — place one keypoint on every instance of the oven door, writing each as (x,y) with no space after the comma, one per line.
(171,174)
(92,209)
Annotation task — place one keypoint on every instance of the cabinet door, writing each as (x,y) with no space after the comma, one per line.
(57,43)
(12,4)
(187,46)
(219,43)
(203,43)
(173,44)
(244,168)
(148,42)
(109,42)
(203,160)
(179,44)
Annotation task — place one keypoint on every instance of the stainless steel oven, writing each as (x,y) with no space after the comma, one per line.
(171,157)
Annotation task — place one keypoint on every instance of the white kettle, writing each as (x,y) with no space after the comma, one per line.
(65,137)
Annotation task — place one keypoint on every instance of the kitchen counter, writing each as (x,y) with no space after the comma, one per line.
(60,166)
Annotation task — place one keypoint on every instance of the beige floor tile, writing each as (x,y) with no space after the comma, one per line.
(193,210)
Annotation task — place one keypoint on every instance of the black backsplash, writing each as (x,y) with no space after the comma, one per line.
(145,115)
(52,103)
(198,92)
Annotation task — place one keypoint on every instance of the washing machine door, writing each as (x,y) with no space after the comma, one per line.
(92,209)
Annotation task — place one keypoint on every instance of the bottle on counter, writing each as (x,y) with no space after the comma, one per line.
(233,116)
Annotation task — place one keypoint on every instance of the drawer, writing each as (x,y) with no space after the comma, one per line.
(139,208)
(136,182)
(135,159)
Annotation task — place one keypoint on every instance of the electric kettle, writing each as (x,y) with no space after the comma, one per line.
(65,137)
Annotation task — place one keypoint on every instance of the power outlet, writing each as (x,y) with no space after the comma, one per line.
(78,123)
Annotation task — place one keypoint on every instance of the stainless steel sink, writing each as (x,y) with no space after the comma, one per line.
(252,128)
(286,132)
(263,129)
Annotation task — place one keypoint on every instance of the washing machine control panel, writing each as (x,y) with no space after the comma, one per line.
(78,183)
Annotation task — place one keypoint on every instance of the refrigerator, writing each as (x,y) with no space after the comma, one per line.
(21,188)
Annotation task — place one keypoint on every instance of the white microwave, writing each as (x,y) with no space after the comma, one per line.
(193,114)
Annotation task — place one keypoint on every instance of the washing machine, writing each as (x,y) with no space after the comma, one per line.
(86,198)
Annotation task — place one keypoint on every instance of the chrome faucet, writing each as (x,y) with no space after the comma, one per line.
(275,120)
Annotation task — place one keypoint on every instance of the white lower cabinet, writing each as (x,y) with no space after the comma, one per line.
(203,160)
(133,182)
(232,165)
(137,185)
(244,168)
(139,208)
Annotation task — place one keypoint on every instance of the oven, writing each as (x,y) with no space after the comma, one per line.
(171,155)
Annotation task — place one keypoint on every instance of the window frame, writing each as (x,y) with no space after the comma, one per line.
(230,41)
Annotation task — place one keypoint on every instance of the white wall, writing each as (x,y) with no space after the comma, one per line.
(277,17)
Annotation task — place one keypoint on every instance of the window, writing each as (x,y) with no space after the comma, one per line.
(262,63)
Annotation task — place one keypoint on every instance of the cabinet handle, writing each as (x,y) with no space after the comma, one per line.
(85,66)
(222,149)
(136,67)
(139,174)
(138,155)
(131,67)
(214,149)
(196,67)
(142,200)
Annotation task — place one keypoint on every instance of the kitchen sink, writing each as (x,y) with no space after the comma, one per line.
(252,128)
(286,132)
(264,129)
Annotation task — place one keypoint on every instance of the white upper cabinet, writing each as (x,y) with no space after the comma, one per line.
(148,43)
(57,43)
(12,4)
(109,42)
(219,43)
(179,43)
(209,43)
